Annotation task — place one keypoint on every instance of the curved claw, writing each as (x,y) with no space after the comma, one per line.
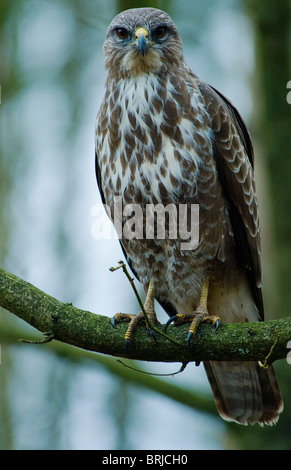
(171,320)
(217,324)
(113,322)
(189,337)
(127,344)
(154,336)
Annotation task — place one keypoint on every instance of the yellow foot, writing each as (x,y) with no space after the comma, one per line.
(196,319)
(199,316)
(133,320)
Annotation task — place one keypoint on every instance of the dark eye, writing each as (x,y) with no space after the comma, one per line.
(122,33)
(160,32)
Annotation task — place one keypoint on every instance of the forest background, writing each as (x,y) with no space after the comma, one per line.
(52,82)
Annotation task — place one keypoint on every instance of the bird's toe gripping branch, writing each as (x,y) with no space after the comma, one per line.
(147,315)
(133,320)
(196,318)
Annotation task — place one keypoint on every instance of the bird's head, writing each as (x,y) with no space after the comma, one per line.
(142,40)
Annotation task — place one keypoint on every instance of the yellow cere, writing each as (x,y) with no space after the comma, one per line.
(141,32)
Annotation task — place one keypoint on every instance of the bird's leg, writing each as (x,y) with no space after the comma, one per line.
(147,314)
(199,316)
(201,313)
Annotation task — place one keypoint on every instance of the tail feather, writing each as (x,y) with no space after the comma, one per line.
(244,392)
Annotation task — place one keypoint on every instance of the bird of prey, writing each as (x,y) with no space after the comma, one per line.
(164,137)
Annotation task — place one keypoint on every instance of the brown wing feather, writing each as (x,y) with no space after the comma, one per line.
(233,153)
(98,178)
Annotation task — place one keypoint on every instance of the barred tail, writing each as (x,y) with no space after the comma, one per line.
(244,392)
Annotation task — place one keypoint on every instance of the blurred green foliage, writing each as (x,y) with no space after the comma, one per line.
(52,78)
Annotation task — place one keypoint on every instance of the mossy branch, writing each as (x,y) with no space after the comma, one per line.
(259,341)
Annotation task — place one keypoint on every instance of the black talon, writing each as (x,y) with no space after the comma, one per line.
(154,336)
(171,320)
(190,334)
(113,322)
(217,324)
(127,344)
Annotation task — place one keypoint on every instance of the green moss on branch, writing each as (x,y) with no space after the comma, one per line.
(87,330)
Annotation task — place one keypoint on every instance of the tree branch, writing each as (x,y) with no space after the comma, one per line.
(66,323)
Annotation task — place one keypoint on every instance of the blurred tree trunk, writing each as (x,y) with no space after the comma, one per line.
(7,81)
(272,23)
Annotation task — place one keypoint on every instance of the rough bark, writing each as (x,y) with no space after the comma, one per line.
(87,330)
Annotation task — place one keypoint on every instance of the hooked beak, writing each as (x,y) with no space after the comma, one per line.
(141,40)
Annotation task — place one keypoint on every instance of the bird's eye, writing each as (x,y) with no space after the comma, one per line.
(122,33)
(160,32)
